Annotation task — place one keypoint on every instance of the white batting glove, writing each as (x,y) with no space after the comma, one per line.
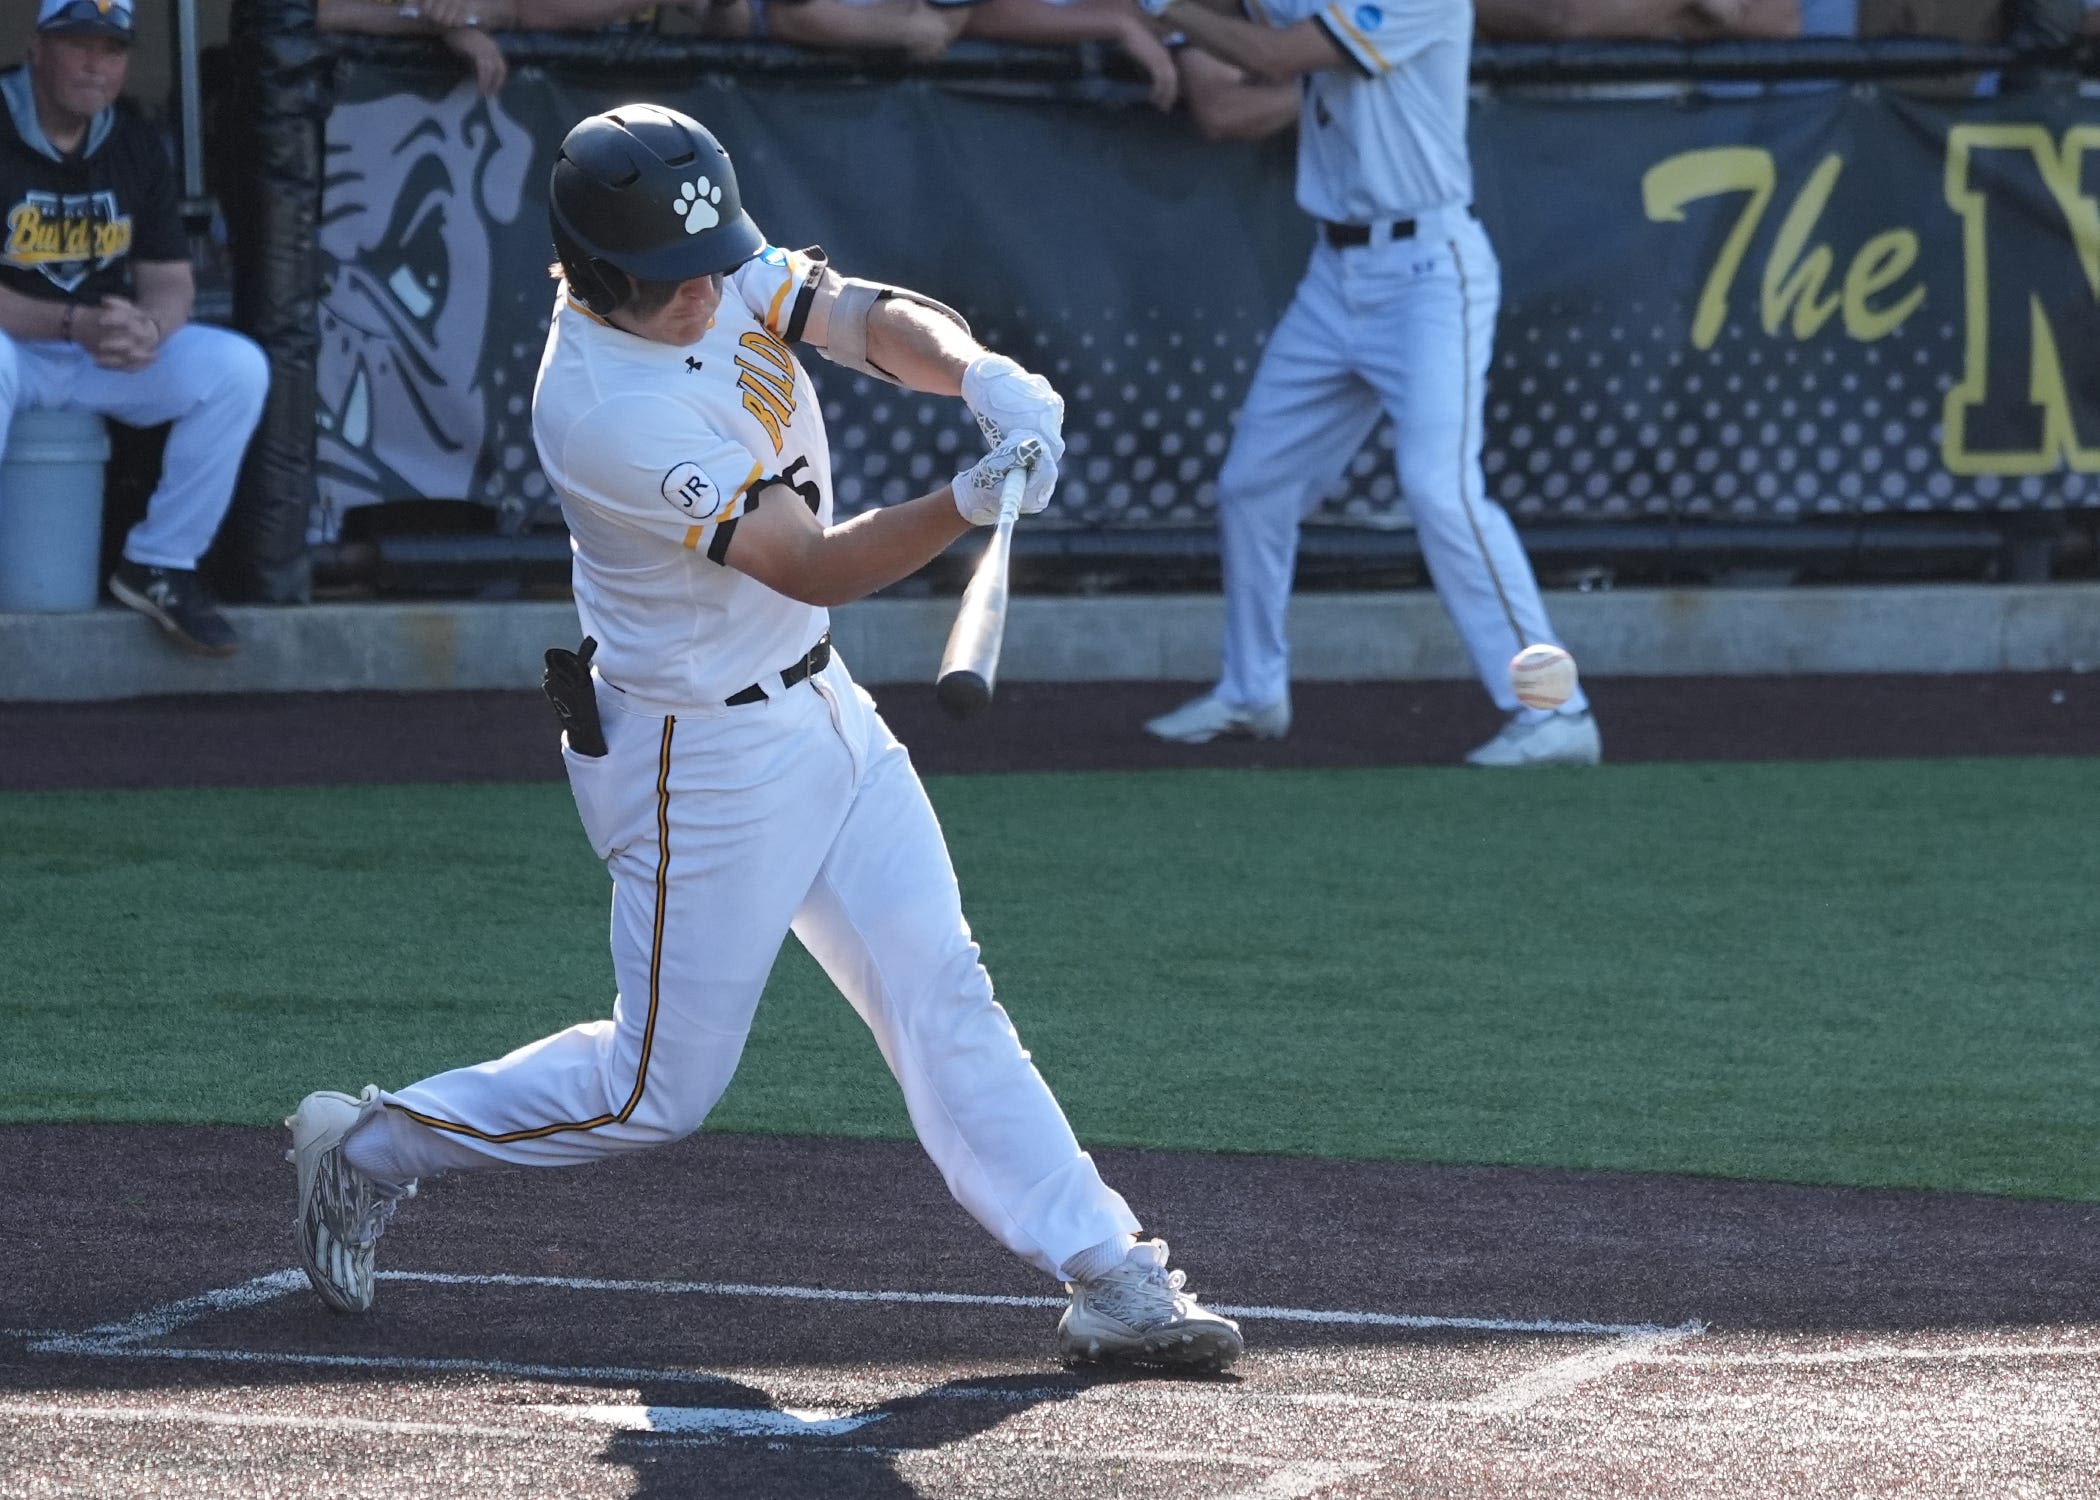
(1003,398)
(977,487)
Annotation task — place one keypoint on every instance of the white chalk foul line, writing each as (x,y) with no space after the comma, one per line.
(1877,1354)
(1564,1375)
(1337,1317)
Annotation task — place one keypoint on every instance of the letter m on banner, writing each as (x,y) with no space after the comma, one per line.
(2029,397)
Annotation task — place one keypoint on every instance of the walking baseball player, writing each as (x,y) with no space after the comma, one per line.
(736,782)
(1396,313)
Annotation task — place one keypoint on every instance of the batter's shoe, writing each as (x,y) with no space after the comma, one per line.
(176,601)
(1556,740)
(342,1212)
(1138,1314)
(1210,717)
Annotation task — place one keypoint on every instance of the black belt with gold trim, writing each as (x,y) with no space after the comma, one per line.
(817,660)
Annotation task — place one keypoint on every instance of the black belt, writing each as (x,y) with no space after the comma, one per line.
(817,660)
(1348,236)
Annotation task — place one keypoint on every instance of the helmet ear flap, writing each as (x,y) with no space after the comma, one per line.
(603,286)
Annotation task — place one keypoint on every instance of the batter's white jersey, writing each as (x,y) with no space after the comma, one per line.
(656,451)
(1384,138)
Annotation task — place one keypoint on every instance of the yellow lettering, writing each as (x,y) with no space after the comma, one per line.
(1670,185)
(1790,280)
(2031,430)
(770,349)
(1882,262)
(760,406)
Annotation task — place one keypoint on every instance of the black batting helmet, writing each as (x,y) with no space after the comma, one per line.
(646,191)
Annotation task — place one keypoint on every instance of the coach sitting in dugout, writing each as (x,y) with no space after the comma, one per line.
(95,296)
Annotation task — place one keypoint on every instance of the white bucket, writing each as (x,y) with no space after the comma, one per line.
(51,511)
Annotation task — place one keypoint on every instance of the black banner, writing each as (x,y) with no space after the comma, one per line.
(1832,301)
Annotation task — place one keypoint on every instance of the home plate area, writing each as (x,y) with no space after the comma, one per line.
(1412,1330)
(205,1395)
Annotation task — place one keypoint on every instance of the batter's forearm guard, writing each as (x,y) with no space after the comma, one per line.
(834,317)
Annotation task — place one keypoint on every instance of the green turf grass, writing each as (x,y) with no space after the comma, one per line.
(1850,973)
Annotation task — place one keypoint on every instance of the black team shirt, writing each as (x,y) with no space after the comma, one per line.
(71,227)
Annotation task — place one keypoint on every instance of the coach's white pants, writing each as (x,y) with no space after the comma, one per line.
(1405,327)
(722,828)
(208,382)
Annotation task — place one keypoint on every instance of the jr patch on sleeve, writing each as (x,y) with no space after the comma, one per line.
(653,464)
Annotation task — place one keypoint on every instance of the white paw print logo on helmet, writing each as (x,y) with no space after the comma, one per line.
(696,204)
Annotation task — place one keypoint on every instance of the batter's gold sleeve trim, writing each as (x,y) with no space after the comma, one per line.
(656,966)
(787,284)
(1466,502)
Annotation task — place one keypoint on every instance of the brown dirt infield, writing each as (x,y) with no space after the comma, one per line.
(1501,1332)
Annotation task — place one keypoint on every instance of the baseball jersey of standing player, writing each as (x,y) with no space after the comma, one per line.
(1383,137)
(657,451)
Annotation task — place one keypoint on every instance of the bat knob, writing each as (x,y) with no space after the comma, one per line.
(964,694)
(1029,454)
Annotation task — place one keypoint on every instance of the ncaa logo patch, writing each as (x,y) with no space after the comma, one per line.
(1369,17)
(691,491)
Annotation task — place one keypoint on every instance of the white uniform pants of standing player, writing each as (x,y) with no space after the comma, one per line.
(208,382)
(1403,327)
(722,828)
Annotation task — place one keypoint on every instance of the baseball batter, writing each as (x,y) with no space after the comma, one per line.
(1396,313)
(736,782)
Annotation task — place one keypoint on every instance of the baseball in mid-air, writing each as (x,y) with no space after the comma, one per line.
(1543,676)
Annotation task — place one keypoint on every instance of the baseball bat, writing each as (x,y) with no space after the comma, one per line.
(970,665)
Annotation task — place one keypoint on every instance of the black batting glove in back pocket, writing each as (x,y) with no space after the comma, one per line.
(569,688)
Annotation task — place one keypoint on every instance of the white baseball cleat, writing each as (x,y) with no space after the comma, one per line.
(1138,1314)
(1556,740)
(1201,720)
(342,1212)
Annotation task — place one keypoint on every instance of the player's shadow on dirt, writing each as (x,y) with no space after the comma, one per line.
(863,1463)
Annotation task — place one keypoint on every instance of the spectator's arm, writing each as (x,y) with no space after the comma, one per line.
(166,292)
(411,18)
(1227,105)
(1758,20)
(1603,20)
(1048,23)
(921,31)
(1268,53)
(574,15)
(33,318)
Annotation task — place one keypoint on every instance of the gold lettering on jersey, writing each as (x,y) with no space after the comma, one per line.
(768,383)
(36,236)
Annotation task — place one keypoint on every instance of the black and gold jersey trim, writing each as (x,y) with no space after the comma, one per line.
(656,964)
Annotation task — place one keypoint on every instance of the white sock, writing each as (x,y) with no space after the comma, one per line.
(369,1147)
(1088,1265)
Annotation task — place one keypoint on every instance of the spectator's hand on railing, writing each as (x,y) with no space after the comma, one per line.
(1141,41)
(481,53)
(1723,13)
(444,14)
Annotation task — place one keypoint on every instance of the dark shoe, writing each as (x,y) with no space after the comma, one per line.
(175,600)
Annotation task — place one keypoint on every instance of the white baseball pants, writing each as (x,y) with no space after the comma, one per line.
(724,828)
(1405,327)
(208,382)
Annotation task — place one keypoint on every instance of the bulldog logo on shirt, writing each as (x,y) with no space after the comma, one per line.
(690,490)
(66,236)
